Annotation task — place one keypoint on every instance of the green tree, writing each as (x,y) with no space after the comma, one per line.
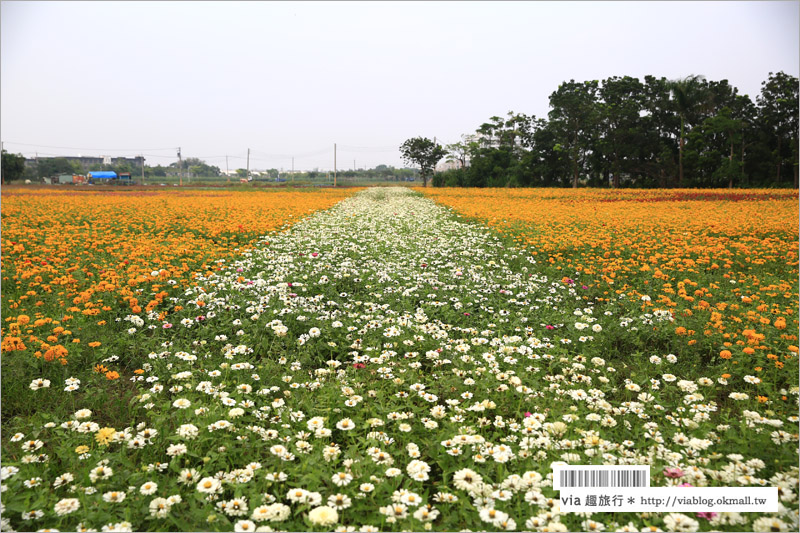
(620,124)
(574,116)
(687,94)
(13,166)
(423,152)
(778,104)
(53,166)
(198,167)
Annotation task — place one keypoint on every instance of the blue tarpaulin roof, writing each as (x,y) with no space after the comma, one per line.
(103,174)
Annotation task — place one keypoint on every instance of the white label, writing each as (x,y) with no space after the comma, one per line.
(668,499)
(591,476)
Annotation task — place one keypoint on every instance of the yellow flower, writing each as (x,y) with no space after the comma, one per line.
(81,449)
(104,436)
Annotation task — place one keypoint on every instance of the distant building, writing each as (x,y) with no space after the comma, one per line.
(447,165)
(87,161)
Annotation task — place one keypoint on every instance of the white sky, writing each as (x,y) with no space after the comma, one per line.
(122,78)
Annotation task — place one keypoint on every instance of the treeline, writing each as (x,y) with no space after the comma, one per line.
(624,132)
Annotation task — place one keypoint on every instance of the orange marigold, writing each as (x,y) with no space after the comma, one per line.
(11,344)
(55,352)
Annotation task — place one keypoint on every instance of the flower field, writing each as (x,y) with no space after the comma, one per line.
(233,362)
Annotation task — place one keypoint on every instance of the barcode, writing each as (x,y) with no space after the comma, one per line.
(603,478)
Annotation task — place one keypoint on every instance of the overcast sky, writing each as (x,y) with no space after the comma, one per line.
(285,78)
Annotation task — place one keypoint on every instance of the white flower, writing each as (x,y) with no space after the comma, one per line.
(148,488)
(345,424)
(393,472)
(181,403)
(680,522)
(244,525)
(188,431)
(323,516)
(493,516)
(341,479)
(339,501)
(114,496)
(209,485)
(466,479)
(40,383)
(175,450)
(159,507)
(67,506)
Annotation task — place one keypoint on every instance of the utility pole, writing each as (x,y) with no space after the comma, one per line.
(354,165)
(142,156)
(227,170)
(248,163)
(180,168)
(334,164)
(293,168)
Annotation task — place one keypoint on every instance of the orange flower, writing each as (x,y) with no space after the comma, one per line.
(100,369)
(11,344)
(55,352)
(94,344)
(725,354)
(112,375)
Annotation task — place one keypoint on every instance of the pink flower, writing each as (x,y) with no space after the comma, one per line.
(166,325)
(527,414)
(686,485)
(673,472)
(708,515)
(359,365)
(584,287)
(549,327)
(314,254)
(466,314)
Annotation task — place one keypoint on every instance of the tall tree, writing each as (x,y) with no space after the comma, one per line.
(620,123)
(687,94)
(574,119)
(459,152)
(779,102)
(423,152)
(12,167)
(53,166)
